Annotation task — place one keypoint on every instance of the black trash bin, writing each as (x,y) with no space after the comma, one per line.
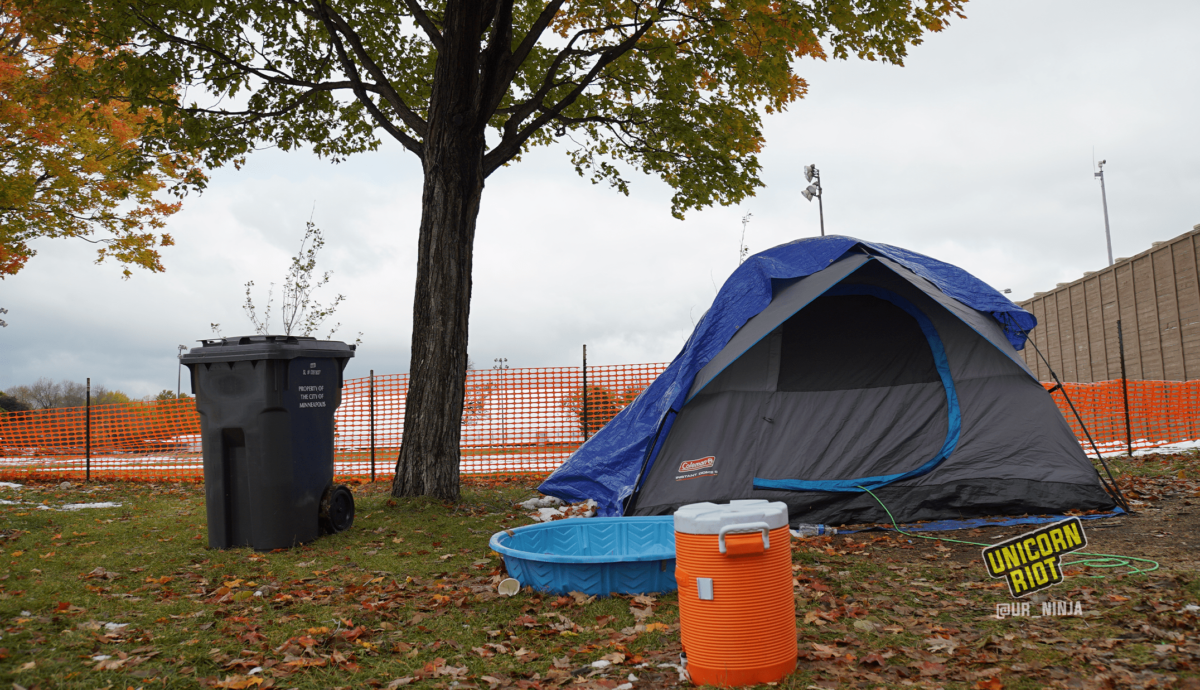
(266,408)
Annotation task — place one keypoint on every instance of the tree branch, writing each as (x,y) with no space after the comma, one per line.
(513,139)
(418,13)
(360,91)
(496,62)
(382,85)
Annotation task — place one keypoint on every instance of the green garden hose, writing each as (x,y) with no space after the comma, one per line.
(1093,560)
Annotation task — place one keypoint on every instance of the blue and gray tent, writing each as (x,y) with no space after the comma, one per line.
(827,366)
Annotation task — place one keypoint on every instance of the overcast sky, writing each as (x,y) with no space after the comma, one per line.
(978,152)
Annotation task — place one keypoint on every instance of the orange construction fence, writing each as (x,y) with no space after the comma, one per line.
(514,420)
(1160,413)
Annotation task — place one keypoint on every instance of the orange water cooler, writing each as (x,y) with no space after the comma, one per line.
(737,612)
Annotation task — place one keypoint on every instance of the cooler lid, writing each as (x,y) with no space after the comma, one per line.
(709,518)
(257,347)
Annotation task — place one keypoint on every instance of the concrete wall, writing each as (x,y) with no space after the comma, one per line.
(1155,296)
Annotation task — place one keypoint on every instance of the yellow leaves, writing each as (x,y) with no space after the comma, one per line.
(75,165)
(239,682)
(657,627)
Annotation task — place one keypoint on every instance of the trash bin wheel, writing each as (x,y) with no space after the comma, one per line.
(337,509)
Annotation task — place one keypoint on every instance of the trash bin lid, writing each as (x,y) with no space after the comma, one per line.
(256,347)
(709,518)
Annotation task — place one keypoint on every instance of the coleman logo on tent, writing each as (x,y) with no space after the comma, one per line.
(690,469)
(1031,561)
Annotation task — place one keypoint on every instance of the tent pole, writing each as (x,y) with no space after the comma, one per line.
(1115,491)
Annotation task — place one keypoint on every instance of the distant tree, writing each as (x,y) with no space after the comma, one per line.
(103,396)
(9,403)
(73,163)
(45,394)
(602,405)
(168,394)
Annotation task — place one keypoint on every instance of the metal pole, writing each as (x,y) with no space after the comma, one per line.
(1104,200)
(1124,390)
(372,425)
(87,442)
(585,409)
(179,372)
(820,202)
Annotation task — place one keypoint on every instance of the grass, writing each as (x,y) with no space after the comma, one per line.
(412,584)
(131,597)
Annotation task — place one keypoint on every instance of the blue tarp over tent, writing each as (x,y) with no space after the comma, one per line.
(607,466)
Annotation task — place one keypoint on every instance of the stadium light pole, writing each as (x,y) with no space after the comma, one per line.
(1104,200)
(814,189)
(501,365)
(179,372)
(1120,335)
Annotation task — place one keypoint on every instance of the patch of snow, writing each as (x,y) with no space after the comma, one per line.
(114,626)
(586,509)
(9,485)
(84,506)
(542,502)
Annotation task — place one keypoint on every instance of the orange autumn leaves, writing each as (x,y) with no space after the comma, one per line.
(72,163)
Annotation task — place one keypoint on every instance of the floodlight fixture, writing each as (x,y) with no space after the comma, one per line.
(814,190)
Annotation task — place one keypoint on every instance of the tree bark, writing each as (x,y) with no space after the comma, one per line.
(453,169)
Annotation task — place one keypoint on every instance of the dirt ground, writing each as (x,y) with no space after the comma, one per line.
(1164,525)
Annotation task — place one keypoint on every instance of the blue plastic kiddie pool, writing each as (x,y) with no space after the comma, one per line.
(627,555)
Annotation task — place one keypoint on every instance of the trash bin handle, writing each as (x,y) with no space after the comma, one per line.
(745,527)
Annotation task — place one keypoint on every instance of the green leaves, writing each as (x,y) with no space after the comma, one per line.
(673,88)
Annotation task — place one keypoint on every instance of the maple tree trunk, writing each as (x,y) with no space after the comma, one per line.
(453,184)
